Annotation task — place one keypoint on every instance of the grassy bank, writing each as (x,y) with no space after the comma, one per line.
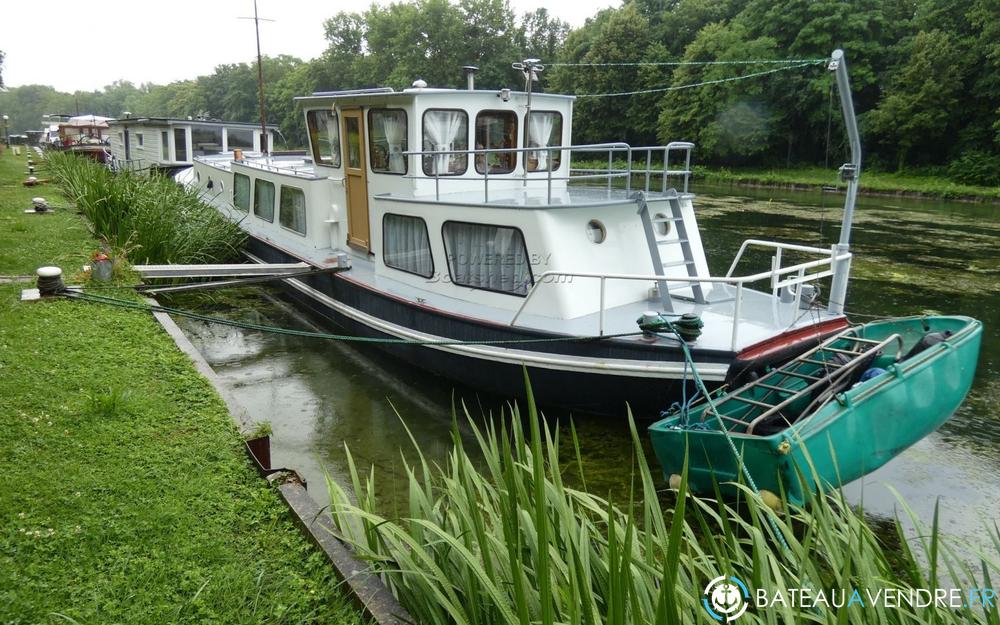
(814,178)
(510,544)
(127,497)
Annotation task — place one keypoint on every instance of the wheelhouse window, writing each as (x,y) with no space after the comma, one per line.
(406,245)
(241,192)
(387,140)
(445,131)
(544,129)
(496,130)
(487,257)
(324,137)
(138,137)
(164,146)
(292,213)
(263,200)
(239,138)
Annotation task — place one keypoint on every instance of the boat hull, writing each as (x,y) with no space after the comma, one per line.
(864,428)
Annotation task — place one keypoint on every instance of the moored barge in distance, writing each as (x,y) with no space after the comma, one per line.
(464,220)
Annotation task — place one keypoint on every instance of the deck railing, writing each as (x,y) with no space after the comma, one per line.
(621,161)
(778,276)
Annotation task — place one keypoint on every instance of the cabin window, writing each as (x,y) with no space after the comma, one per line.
(180,144)
(293,209)
(206,140)
(387,140)
(496,130)
(406,245)
(138,137)
(263,200)
(241,192)
(446,130)
(164,146)
(324,137)
(544,129)
(481,256)
(239,138)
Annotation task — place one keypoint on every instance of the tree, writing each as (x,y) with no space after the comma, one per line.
(918,107)
(614,36)
(729,121)
(1,68)
(541,35)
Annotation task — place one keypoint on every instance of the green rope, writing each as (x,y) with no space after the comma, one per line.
(100,299)
(669,327)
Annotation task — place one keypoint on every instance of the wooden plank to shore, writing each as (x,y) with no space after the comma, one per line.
(209,271)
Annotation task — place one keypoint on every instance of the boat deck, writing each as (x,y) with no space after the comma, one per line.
(761,316)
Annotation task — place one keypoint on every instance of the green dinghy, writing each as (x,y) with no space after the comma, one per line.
(833,414)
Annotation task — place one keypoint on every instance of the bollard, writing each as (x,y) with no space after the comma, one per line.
(49,281)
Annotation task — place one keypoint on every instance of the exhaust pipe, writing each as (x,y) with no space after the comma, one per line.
(470,76)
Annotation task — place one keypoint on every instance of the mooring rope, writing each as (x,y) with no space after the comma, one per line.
(101,299)
(677,63)
(722,426)
(700,84)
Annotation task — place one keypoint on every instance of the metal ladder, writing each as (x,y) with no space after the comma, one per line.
(858,351)
(659,267)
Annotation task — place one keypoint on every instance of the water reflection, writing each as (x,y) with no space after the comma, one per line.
(911,257)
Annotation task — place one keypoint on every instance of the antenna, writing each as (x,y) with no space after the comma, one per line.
(530,68)
(260,76)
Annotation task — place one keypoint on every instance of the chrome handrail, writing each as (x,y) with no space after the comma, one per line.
(609,173)
(774,275)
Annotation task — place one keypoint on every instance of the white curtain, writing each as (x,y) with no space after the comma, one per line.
(293,209)
(487,257)
(443,130)
(407,245)
(394,129)
(539,130)
(332,137)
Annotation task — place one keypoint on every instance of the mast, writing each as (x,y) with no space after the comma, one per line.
(260,83)
(850,173)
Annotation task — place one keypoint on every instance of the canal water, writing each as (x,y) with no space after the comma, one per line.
(911,257)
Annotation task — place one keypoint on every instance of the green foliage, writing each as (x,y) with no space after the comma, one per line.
(151,217)
(503,540)
(918,108)
(976,168)
(109,402)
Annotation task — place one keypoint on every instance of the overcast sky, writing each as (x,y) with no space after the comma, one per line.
(86,45)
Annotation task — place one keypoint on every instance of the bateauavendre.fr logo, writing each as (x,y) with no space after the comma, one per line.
(726,598)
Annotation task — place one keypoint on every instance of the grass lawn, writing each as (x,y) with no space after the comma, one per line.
(127,496)
(871,182)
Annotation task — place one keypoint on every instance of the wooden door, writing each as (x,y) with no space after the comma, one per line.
(356,179)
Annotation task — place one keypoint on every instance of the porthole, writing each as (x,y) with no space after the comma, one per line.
(596,231)
(209,185)
(663,228)
(197,176)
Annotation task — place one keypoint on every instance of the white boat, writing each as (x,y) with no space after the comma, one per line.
(469,216)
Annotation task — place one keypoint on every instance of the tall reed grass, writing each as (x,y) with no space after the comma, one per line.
(511,543)
(150,217)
